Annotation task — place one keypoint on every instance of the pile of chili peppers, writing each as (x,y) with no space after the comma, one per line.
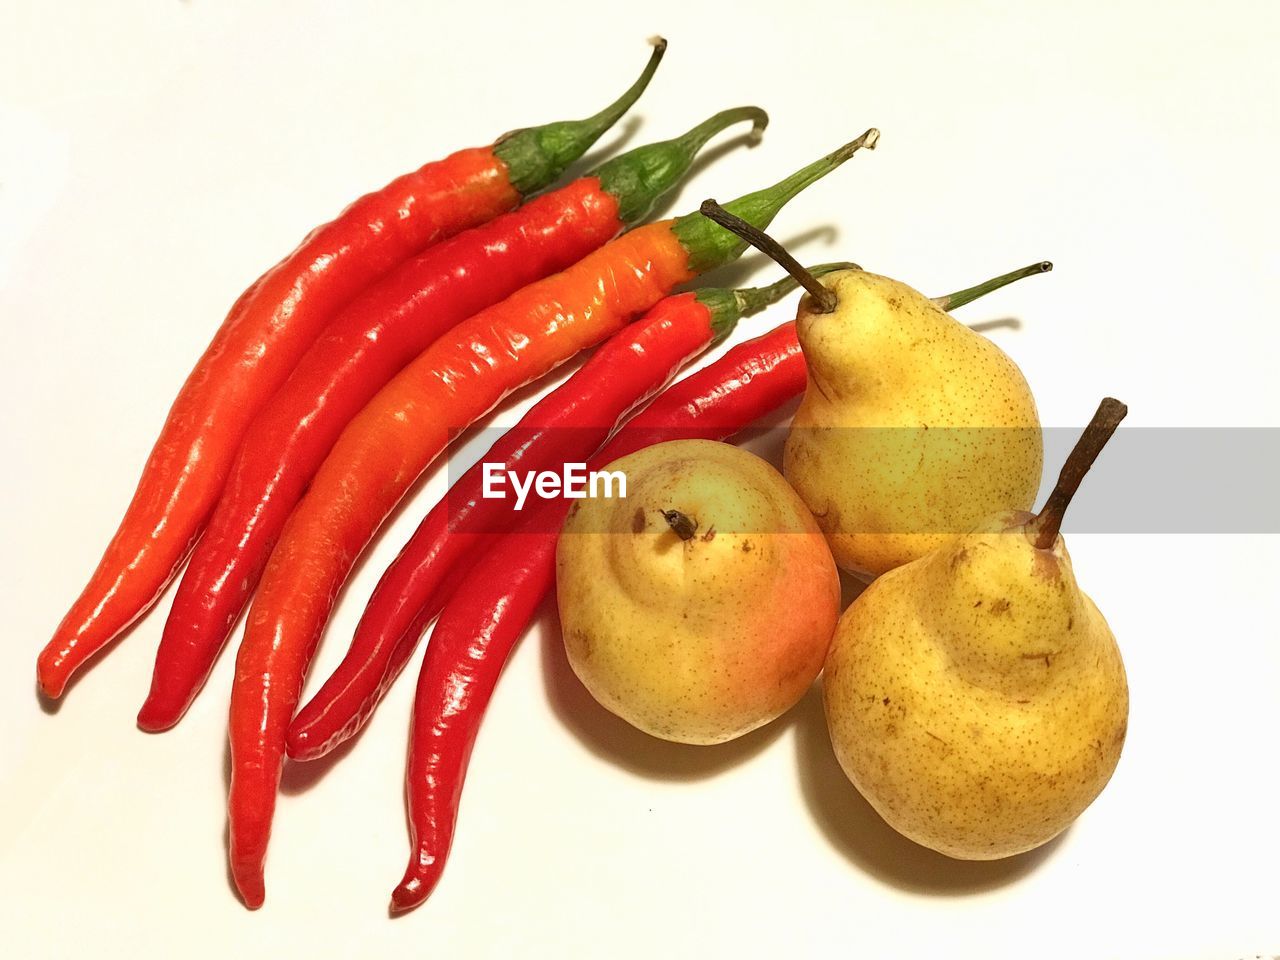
(344,371)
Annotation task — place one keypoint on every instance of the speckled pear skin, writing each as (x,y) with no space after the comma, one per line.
(976,697)
(696,641)
(888,357)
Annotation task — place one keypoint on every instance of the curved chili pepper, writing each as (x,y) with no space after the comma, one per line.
(567,425)
(357,354)
(387,447)
(494,603)
(260,341)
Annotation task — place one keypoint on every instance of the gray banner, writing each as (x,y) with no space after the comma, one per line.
(1147,480)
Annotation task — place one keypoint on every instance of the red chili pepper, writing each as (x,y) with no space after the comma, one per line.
(260,341)
(357,354)
(387,447)
(568,425)
(494,603)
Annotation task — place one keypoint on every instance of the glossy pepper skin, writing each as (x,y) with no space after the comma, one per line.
(387,447)
(494,603)
(267,331)
(578,414)
(567,425)
(363,348)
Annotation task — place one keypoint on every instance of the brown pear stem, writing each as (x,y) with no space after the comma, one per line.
(824,299)
(682,525)
(1043,529)
(969,294)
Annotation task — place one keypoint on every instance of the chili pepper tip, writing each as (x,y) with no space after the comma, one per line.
(252,889)
(411,892)
(49,684)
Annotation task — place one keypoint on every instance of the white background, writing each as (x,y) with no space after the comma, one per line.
(156,156)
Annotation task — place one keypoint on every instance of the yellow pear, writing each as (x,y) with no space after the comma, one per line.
(976,697)
(912,429)
(699,606)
